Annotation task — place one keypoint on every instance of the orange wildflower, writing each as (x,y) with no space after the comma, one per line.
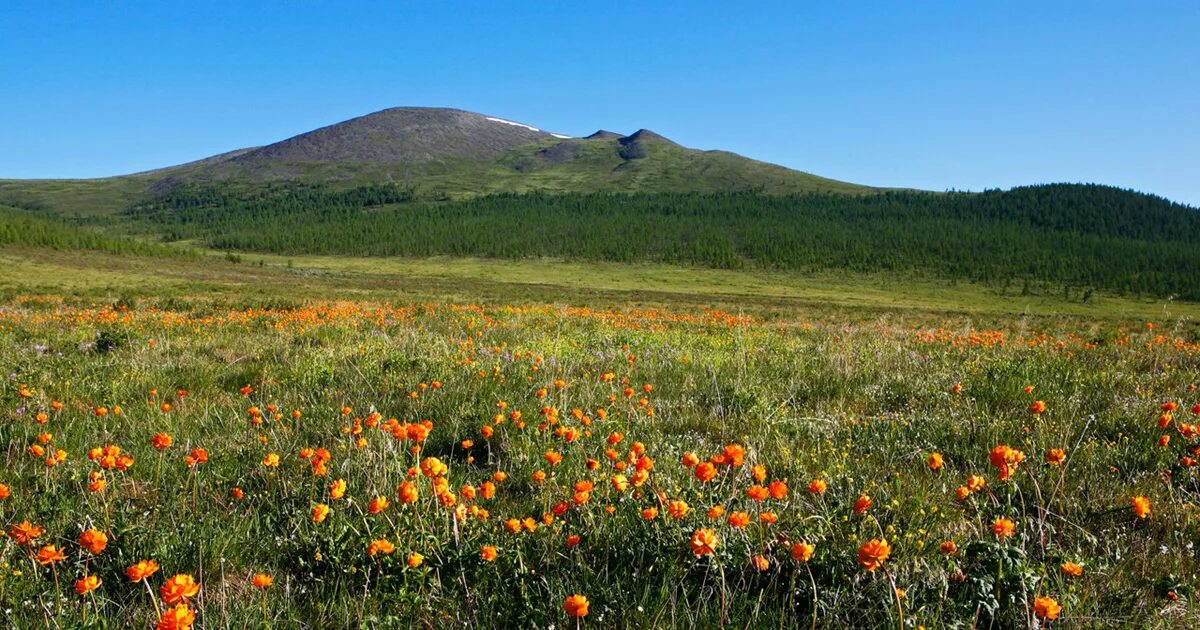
(141,570)
(576,606)
(873,553)
(179,589)
(703,542)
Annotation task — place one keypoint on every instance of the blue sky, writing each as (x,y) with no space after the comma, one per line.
(936,95)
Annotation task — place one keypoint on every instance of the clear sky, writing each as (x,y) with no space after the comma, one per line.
(937,95)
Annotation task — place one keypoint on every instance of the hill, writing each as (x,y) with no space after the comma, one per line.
(1075,238)
(438,153)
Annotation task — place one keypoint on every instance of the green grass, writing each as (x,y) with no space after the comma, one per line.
(858,401)
(772,295)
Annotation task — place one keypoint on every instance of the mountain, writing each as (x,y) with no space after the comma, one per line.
(440,152)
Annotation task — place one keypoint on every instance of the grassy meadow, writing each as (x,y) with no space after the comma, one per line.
(330,442)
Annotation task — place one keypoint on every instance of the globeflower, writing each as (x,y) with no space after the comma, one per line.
(179,589)
(1141,507)
(381,545)
(1046,608)
(576,606)
(1005,460)
(873,553)
(49,555)
(703,542)
(802,552)
(1003,527)
(87,584)
(93,540)
(141,570)
(24,533)
(179,617)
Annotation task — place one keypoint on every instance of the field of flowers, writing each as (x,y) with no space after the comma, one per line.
(360,464)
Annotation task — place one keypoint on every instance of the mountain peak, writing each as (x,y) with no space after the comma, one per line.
(402,135)
(603,134)
(643,135)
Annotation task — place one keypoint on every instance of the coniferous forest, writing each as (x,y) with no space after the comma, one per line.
(1080,237)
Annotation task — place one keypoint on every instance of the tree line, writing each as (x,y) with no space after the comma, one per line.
(1074,235)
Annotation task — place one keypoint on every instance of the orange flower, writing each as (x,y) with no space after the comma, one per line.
(1055,456)
(49,555)
(5,492)
(976,483)
(948,548)
(320,512)
(873,553)
(758,493)
(414,560)
(802,552)
(162,441)
(1003,527)
(177,618)
(381,545)
(1038,407)
(962,493)
(24,533)
(337,489)
(378,504)
(703,542)
(1046,608)
(141,570)
(935,461)
(1005,460)
(739,519)
(179,589)
(650,513)
(1072,569)
(716,511)
(93,540)
(408,492)
(760,563)
(573,541)
(433,467)
(262,581)
(196,457)
(818,486)
(1141,507)
(678,509)
(488,553)
(862,504)
(705,472)
(87,584)
(778,490)
(576,606)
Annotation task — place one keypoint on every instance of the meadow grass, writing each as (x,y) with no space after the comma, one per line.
(819,422)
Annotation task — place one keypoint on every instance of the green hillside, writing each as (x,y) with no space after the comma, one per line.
(1078,237)
(20,228)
